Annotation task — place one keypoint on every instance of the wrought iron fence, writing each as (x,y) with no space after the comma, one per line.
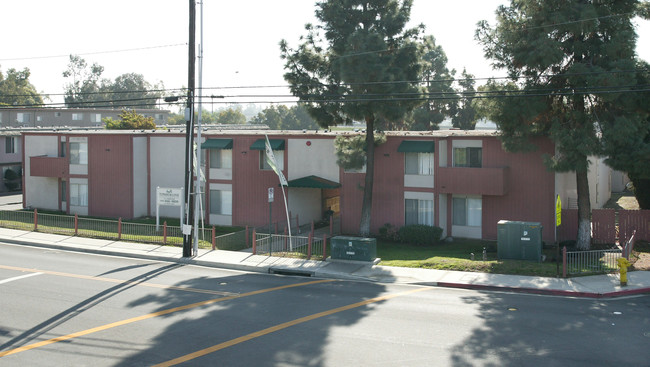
(589,262)
(290,246)
(118,230)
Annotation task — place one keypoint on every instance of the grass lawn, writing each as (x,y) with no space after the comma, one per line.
(457,256)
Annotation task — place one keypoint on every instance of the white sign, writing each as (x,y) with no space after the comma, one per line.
(169,197)
(270,194)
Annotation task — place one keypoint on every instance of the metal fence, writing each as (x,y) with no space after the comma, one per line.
(290,246)
(118,230)
(589,262)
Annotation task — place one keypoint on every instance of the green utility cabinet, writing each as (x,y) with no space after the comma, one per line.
(354,248)
(519,240)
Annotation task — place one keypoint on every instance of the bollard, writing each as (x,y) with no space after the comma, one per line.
(484,254)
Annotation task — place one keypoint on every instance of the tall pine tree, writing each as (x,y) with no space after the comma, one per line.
(563,56)
(359,64)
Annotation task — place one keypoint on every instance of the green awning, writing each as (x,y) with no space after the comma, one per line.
(417,146)
(260,144)
(217,144)
(314,182)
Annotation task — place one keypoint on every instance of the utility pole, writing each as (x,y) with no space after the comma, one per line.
(189,138)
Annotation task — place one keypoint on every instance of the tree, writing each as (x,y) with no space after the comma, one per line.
(88,89)
(625,123)
(129,120)
(464,112)
(16,90)
(281,117)
(85,89)
(361,68)
(563,56)
(439,87)
(231,116)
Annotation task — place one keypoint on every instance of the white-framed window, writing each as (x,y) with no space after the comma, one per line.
(23,117)
(279,158)
(418,164)
(78,153)
(417,211)
(10,144)
(160,116)
(77,116)
(95,117)
(78,194)
(39,118)
(466,211)
(221,202)
(222,158)
(468,157)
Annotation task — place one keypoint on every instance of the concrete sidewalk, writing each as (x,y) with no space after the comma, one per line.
(596,286)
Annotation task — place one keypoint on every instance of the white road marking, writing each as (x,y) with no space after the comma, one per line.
(18,278)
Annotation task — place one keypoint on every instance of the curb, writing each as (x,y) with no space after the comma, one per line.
(548,292)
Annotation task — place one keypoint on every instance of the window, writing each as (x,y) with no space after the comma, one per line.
(23,117)
(78,153)
(419,164)
(77,116)
(39,118)
(95,117)
(468,157)
(78,194)
(10,145)
(418,212)
(160,116)
(57,114)
(279,158)
(222,158)
(64,191)
(466,211)
(221,202)
(62,150)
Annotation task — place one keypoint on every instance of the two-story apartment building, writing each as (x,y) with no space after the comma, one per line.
(79,117)
(462,181)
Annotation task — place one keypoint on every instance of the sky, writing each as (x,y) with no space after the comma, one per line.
(240,40)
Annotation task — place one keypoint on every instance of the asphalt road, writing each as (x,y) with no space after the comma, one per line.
(68,309)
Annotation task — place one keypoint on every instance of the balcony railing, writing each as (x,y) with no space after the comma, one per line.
(472,181)
(43,166)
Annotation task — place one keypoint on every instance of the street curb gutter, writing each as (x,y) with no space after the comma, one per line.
(550,292)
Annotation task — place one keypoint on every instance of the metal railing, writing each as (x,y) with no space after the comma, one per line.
(290,246)
(118,230)
(589,262)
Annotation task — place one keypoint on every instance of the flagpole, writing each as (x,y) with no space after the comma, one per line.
(270,159)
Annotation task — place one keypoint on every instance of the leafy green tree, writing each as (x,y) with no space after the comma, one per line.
(16,90)
(464,111)
(357,64)
(439,87)
(129,120)
(230,116)
(625,124)
(561,55)
(281,117)
(87,88)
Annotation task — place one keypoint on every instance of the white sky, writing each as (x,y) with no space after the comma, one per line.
(240,38)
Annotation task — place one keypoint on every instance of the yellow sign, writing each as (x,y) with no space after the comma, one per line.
(558,211)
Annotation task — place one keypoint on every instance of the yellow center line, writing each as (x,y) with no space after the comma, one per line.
(282,326)
(119,281)
(148,316)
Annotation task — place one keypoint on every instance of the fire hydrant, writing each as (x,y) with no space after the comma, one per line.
(623,264)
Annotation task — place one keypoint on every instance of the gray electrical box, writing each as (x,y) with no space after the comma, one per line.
(354,248)
(519,240)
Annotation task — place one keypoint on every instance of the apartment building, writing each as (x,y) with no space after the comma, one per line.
(462,181)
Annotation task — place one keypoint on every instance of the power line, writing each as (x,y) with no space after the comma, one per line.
(93,53)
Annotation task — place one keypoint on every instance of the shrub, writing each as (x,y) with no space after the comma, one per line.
(12,180)
(420,234)
(388,232)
